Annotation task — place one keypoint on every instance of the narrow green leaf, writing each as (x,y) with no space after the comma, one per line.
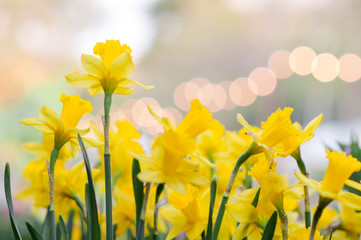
(58,232)
(70,223)
(270,227)
(35,235)
(45,226)
(138,190)
(330,235)
(211,206)
(63,230)
(9,201)
(92,210)
(83,231)
(256,197)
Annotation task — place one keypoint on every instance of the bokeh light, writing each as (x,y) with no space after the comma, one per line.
(350,67)
(229,103)
(240,93)
(325,67)
(278,62)
(300,60)
(262,81)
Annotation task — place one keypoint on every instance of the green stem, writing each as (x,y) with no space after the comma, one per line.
(284,224)
(107,169)
(301,165)
(322,203)
(213,194)
(51,166)
(248,179)
(156,210)
(140,230)
(222,208)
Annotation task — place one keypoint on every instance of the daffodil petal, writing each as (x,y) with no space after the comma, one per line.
(244,123)
(81,79)
(122,67)
(147,175)
(353,184)
(50,118)
(93,66)
(38,124)
(123,91)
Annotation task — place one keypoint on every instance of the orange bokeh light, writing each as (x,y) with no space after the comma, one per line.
(350,68)
(300,60)
(240,93)
(262,81)
(325,67)
(278,62)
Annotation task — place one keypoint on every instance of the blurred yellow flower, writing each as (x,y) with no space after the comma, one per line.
(338,171)
(69,184)
(279,136)
(110,73)
(123,142)
(188,213)
(304,234)
(63,128)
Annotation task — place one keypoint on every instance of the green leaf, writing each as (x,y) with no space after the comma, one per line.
(70,223)
(45,228)
(9,201)
(270,227)
(63,230)
(83,231)
(35,235)
(211,206)
(256,197)
(138,190)
(92,210)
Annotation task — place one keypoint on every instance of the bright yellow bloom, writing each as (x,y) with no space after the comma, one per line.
(170,161)
(338,171)
(63,127)
(351,221)
(189,213)
(279,136)
(110,73)
(304,234)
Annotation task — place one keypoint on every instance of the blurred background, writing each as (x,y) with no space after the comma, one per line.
(249,57)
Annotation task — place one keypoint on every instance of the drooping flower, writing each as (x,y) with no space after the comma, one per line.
(278,135)
(109,74)
(63,127)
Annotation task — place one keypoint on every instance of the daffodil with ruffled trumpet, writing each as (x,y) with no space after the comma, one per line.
(339,169)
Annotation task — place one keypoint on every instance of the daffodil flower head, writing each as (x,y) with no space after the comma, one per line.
(62,127)
(109,74)
(278,135)
(338,171)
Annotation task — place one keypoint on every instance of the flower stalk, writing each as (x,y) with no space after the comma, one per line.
(222,207)
(322,204)
(140,229)
(107,168)
(50,168)
(301,165)
(284,223)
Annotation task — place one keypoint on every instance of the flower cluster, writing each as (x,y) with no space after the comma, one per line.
(200,180)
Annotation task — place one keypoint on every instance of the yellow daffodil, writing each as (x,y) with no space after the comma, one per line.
(304,234)
(188,213)
(338,171)
(69,185)
(43,150)
(110,73)
(278,135)
(351,222)
(168,163)
(122,144)
(63,127)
